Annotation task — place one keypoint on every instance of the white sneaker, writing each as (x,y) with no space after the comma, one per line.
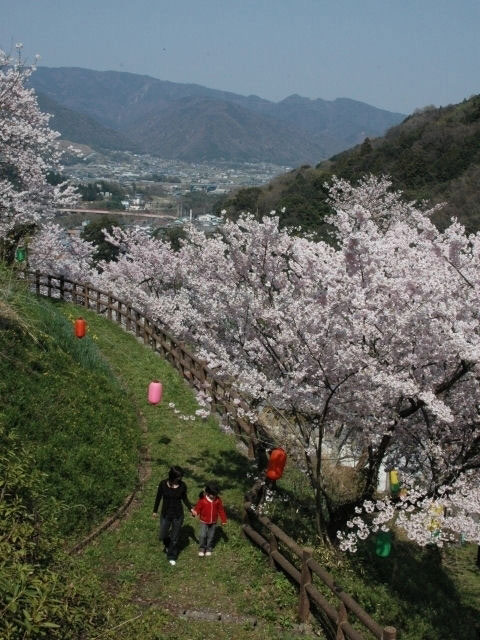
(201,553)
(208,553)
(172,562)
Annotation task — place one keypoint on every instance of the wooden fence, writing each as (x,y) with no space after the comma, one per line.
(225,401)
(273,541)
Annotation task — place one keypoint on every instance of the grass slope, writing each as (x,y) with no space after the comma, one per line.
(424,595)
(55,475)
(59,396)
(236,579)
(91,435)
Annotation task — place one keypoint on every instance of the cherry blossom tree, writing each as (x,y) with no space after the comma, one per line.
(28,151)
(55,252)
(367,348)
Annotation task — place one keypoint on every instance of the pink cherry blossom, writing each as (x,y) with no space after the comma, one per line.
(28,149)
(366,350)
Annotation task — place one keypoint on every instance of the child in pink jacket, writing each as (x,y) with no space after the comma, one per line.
(209,508)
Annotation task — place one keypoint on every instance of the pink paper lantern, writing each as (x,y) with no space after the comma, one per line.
(155,391)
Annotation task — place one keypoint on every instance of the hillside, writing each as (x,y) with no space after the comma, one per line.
(69,440)
(82,129)
(434,154)
(68,456)
(293,131)
(342,121)
(194,129)
(57,394)
(122,586)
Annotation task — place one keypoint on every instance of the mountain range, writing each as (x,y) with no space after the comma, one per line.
(117,110)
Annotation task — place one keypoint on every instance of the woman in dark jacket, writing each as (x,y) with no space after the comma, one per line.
(172,491)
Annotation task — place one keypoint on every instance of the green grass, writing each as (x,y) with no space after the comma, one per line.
(60,397)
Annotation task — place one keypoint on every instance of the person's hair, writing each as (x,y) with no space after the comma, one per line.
(212,489)
(175,474)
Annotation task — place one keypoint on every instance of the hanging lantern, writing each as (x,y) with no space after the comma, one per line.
(276,464)
(20,254)
(155,392)
(383,544)
(436,516)
(80,328)
(394,481)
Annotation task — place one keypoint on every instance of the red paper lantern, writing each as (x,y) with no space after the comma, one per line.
(276,464)
(80,328)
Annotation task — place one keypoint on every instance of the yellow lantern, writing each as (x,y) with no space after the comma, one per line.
(394,481)
(436,512)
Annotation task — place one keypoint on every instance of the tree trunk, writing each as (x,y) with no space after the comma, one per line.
(320,522)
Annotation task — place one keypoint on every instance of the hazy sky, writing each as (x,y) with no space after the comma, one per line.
(394,54)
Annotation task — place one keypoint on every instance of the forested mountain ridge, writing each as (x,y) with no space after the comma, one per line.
(433,154)
(193,129)
(80,128)
(163,117)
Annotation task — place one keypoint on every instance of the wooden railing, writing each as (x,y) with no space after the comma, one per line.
(225,401)
(302,570)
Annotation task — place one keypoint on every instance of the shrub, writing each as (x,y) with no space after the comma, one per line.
(37,589)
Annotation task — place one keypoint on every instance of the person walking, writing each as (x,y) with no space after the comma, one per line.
(172,491)
(209,508)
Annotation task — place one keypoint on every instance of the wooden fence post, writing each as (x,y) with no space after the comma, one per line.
(37,282)
(146,325)
(86,299)
(200,373)
(137,324)
(62,288)
(118,312)
(49,286)
(389,633)
(128,321)
(213,394)
(74,293)
(110,304)
(98,301)
(158,337)
(305,579)
(273,547)
(342,617)
(251,444)
(245,516)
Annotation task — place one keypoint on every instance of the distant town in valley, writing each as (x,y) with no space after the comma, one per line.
(152,192)
(163,153)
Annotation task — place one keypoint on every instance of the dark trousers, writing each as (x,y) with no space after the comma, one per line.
(169,534)
(207,532)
